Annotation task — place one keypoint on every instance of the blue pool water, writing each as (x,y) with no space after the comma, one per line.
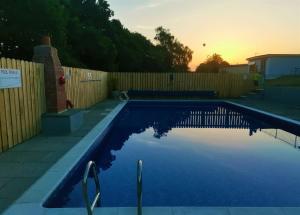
(194,154)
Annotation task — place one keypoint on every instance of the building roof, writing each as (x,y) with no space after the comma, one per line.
(272,55)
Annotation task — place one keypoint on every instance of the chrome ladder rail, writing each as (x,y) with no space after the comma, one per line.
(90,206)
(139,186)
(125,95)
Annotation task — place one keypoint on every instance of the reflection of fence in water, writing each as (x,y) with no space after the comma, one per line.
(220,118)
(189,117)
(284,136)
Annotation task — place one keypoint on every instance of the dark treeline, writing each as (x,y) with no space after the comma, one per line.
(86,35)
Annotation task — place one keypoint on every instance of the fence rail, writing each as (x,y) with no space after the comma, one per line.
(21,108)
(227,85)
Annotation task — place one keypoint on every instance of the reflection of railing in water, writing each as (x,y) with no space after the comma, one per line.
(162,121)
(283,136)
(220,118)
(217,117)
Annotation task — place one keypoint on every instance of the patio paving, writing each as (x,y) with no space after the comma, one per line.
(282,109)
(22,165)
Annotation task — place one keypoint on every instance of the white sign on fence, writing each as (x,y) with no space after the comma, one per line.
(10,78)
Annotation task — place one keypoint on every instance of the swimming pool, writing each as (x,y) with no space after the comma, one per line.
(194,154)
(199,158)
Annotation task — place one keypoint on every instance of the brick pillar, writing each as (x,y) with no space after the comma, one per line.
(55,92)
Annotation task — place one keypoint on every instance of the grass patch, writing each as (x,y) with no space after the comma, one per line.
(285,81)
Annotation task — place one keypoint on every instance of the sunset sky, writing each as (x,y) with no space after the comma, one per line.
(236,29)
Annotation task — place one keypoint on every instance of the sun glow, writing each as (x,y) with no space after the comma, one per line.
(234,52)
(231,51)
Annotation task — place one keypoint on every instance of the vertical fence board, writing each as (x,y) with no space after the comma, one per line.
(26,94)
(17,108)
(3,119)
(21,104)
(32,97)
(10,110)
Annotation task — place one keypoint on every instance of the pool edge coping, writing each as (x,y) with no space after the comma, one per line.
(32,200)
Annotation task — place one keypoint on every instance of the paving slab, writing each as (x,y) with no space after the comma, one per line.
(23,165)
(287,110)
(15,185)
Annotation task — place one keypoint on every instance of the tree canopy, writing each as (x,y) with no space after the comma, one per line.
(86,35)
(212,64)
(178,56)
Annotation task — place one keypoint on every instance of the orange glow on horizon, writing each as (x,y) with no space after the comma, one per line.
(231,51)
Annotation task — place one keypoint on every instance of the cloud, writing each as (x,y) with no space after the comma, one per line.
(145,27)
(150,5)
(154,4)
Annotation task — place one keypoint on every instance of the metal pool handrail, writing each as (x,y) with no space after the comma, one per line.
(90,207)
(139,186)
(125,94)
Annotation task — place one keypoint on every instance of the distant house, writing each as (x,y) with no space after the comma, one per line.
(275,65)
(236,69)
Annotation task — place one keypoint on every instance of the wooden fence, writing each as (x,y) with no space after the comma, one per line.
(85,87)
(21,108)
(227,85)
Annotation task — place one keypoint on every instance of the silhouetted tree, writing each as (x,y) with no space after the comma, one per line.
(23,22)
(212,64)
(177,55)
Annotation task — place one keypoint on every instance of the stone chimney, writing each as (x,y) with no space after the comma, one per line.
(54,88)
